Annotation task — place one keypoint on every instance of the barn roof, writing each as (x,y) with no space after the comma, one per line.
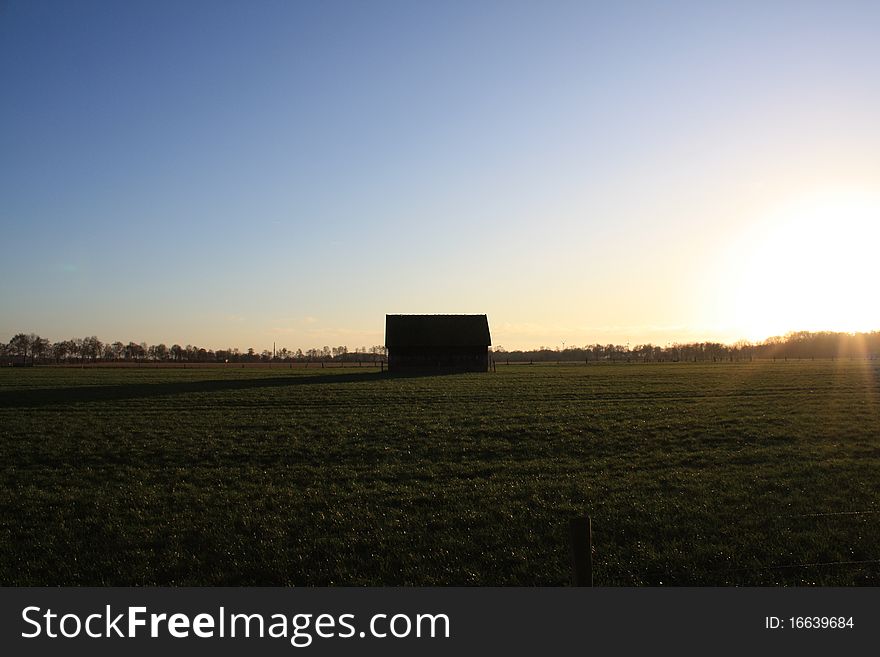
(437,331)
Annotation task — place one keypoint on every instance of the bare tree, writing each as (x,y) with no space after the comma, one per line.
(20,345)
(91,348)
(39,346)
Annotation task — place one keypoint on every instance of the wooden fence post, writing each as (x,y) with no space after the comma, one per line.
(581,534)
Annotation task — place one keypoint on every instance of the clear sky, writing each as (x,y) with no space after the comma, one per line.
(243,173)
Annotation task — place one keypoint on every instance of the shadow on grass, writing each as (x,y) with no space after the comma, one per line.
(79,394)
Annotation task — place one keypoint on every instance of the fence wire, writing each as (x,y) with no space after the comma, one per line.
(726,572)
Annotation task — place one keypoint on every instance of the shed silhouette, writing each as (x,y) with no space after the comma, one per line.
(458,343)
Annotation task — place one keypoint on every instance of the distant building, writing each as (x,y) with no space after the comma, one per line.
(458,343)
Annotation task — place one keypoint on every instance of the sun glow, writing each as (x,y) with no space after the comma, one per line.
(809,265)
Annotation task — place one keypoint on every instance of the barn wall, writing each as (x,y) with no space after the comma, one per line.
(458,359)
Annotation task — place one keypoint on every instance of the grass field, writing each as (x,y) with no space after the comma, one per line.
(694,474)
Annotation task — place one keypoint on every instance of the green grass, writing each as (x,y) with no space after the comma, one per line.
(692,474)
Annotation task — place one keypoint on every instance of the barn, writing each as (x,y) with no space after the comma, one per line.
(457,343)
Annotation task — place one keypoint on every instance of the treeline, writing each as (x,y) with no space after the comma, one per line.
(32,349)
(802,344)
(29,348)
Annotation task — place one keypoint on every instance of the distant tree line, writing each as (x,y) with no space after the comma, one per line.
(29,348)
(801,344)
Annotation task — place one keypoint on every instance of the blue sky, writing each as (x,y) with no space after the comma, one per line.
(237,174)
